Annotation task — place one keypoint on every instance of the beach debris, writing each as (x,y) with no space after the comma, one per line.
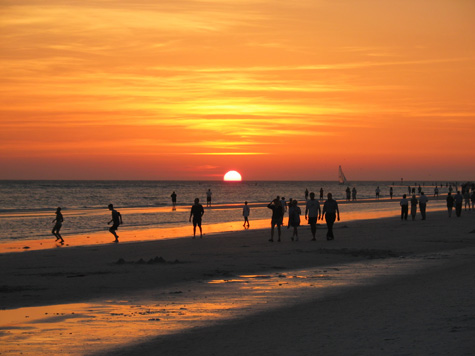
(26,247)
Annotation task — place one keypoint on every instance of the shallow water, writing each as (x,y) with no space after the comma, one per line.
(92,326)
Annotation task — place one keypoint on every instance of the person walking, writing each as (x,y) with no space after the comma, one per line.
(331,212)
(245,212)
(377,192)
(404,207)
(450,203)
(353,194)
(413,207)
(294,219)
(116,220)
(466,197)
(423,204)
(312,213)
(277,217)
(59,223)
(197,213)
(391,192)
(458,203)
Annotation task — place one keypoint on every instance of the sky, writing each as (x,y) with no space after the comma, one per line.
(276,90)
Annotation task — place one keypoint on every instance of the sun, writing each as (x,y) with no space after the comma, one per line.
(232,176)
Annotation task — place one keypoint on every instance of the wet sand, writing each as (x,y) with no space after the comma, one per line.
(381,287)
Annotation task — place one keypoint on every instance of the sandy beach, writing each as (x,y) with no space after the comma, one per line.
(383,286)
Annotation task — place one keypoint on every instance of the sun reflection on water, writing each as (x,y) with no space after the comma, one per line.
(83,328)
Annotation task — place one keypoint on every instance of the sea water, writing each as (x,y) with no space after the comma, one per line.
(27,208)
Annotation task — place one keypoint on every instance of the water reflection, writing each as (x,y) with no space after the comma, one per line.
(84,328)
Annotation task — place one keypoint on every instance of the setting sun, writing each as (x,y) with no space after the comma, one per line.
(232,176)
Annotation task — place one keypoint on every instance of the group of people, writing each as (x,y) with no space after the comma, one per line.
(313,213)
(414,202)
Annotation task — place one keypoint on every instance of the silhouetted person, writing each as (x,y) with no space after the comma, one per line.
(404,207)
(353,193)
(59,222)
(277,216)
(458,203)
(284,210)
(450,203)
(330,211)
(245,212)
(377,192)
(116,220)
(436,192)
(306,194)
(208,198)
(313,212)
(348,194)
(321,193)
(173,196)
(294,219)
(472,198)
(466,197)
(391,192)
(196,213)
(413,207)
(423,204)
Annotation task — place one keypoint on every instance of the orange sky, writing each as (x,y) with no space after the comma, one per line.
(189,89)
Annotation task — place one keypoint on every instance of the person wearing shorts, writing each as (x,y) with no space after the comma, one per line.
(312,214)
(116,220)
(196,213)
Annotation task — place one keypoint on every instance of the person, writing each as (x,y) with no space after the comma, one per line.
(116,220)
(404,207)
(413,207)
(294,219)
(353,193)
(59,223)
(330,211)
(348,194)
(196,213)
(245,212)
(284,210)
(450,203)
(472,197)
(312,213)
(466,197)
(423,204)
(306,194)
(436,192)
(321,193)
(377,192)
(458,203)
(391,192)
(208,198)
(173,196)
(277,216)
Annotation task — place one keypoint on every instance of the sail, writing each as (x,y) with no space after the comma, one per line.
(341,176)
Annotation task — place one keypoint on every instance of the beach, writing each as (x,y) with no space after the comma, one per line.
(383,286)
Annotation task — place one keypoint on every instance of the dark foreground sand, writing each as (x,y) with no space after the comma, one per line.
(426,311)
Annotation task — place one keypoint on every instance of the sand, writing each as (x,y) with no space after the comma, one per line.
(381,287)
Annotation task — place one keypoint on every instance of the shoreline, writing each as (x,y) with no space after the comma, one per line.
(185,231)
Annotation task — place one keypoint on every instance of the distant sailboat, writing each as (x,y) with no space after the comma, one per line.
(341,176)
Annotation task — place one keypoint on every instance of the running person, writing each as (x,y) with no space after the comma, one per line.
(59,222)
(116,220)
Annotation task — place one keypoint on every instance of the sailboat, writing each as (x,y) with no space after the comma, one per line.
(341,176)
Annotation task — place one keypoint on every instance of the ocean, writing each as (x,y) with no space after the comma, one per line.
(27,208)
